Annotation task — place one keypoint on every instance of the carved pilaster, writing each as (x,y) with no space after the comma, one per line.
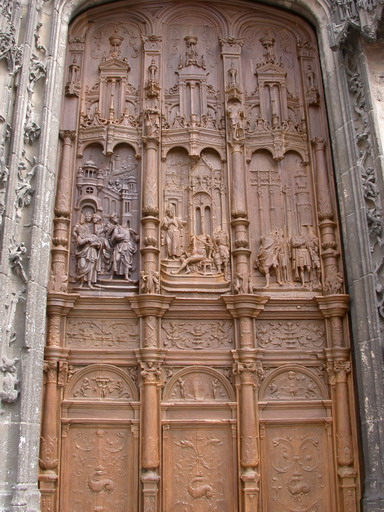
(59,306)
(334,308)
(329,253)
(248,372)
(152,379)
(244,308)
(60,240)
(338,368)
(150,309)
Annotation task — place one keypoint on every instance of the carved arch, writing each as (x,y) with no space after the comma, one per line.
(186,377)
(101,381)
(293,382)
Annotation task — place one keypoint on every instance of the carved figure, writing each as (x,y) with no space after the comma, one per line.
(301,258)
(172,226)
(313,249)
(16,253)
(221,251)
(267,257)
(150,281)
(9,393)
(243,283)
(87,250)
(236,123)
(123,241)
(98,482)
(152,122)
(104,261)
(201,249)
(232,75)
(283,258)
(198,489)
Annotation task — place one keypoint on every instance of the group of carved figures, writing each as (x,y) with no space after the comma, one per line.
(103,249)
(204,252)
(291,259)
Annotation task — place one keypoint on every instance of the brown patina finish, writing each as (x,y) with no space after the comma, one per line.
(198,356)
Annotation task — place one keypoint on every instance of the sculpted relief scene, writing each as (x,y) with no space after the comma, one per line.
(197,356)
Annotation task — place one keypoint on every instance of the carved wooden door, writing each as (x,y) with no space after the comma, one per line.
(197,355)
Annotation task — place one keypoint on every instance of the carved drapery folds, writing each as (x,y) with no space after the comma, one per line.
(196,276)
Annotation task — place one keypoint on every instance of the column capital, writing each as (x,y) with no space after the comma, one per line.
(245,305)
(333,305)
(150,305)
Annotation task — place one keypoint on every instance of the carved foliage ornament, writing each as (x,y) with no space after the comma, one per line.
(197,335)
(102,333)
(290,335)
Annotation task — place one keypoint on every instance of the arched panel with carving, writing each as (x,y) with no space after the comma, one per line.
(293,383)
(101,382)
(198,384)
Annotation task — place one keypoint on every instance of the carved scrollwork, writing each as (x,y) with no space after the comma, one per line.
(197,336)
(102,333)
(290,335)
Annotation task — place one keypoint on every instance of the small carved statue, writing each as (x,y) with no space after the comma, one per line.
(152,122)
(87,250)
(301,258)
(9,393)
(236,123)
(150,281)
(172,228)
(267,257)
(221,255)
(123,241)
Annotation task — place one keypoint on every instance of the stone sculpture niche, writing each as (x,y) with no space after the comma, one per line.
(106,226)
(286,239)
(195,190)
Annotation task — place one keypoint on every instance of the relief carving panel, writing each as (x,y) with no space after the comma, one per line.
(101,382)
(296,469)
(292,384)
(100,464)
(94,333)
(290,335)
(197,335)
(199,470)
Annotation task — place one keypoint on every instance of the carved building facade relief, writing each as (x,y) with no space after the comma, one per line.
(197,355)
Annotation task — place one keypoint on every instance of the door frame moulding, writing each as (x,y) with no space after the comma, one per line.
(352,216)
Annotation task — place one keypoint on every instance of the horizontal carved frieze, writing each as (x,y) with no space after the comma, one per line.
(102,333)
(276,335)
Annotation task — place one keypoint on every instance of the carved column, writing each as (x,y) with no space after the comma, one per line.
(150,220)
(61,235)
(58,307)
(329,253)
(151,174)
(55,369)
(150,309)
(248,370)
(334,309)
